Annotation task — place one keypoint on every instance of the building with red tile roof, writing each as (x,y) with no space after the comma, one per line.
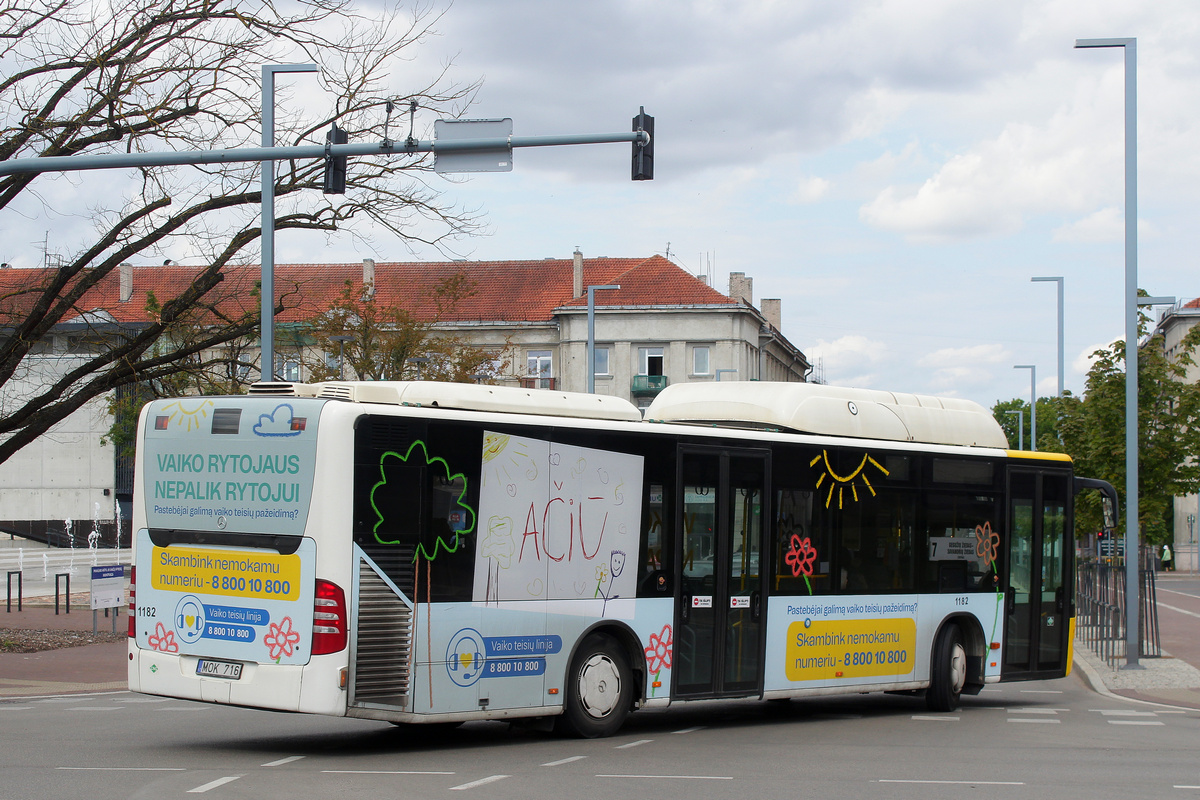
(662,326)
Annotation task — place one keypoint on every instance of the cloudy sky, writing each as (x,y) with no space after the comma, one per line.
(894,171)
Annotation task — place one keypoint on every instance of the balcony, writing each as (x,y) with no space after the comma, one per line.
(647,385)
(537,382)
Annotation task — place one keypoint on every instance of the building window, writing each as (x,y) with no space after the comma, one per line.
(287,367)
(601,361)
(700,362)
(650,361)
(540,375)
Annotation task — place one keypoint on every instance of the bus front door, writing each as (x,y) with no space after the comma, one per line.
(719,644)
(1040,570)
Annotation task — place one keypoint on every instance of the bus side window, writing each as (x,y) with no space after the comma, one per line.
(657,560)
(962,542)
(802,553)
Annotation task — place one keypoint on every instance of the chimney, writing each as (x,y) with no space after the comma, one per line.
(125,273)
(368,278)
(741,288)
(577,286)
(772,309)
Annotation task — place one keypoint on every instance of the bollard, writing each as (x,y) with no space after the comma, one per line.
(16,572)
(58,576)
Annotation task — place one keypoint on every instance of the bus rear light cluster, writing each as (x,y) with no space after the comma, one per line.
(329,619)
(132,601)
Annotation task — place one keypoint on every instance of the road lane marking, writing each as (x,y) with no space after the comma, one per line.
(638,743)
(925,718)
(562,761)
(214,784)
(1121,712)
(15,708)
(1136,722)
(480,782)
(95,708)
(1041,691)
(958,783)
(1051,711)
(1180,610)
(674,777)
(281,761)
(1038,719)
(687,730)
(128,769)
(382,772)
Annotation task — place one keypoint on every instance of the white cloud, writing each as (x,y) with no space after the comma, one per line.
(967,356)
(848,360)
(1105,225)
(810,190)
(1083,362)
(955,369)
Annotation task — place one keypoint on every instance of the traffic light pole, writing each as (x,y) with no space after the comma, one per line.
(269,154)
(28,166)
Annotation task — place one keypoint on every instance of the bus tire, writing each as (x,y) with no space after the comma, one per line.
(599,689)
(948,671)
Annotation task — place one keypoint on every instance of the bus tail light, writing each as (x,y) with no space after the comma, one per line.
(329,619)
(132,601)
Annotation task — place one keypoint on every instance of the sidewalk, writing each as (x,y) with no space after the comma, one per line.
(89,668)
(70,670)
(1165,681)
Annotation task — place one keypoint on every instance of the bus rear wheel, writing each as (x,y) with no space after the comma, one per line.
(599,689)
(948,672)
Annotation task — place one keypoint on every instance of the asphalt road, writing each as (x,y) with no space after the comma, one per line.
(1016,741)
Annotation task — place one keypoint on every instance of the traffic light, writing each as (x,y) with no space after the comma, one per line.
(335,166)
(643,154)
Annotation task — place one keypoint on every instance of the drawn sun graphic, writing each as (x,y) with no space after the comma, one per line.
(189,418)
(839,483)
(506,461)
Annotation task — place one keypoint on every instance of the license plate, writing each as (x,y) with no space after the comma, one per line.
(219,669)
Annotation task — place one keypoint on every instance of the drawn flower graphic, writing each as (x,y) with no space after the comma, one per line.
(801,556)
(280,639)
(658,654)
(163,640)
(986,542)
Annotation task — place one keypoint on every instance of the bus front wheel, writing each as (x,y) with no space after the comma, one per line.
(948,672)
(599,689)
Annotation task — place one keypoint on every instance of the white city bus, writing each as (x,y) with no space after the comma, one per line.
(433,553)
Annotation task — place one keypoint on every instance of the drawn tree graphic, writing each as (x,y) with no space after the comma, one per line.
(398,500)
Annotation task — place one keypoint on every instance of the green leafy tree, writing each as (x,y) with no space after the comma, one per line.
(1018,428)
(1093,431)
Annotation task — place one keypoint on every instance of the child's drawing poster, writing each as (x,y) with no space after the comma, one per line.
(556,521)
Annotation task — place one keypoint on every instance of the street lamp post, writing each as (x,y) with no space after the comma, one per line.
(1059,281)
(341,340)
(419,360)
(267,334)
(1020,412)
(1132,616)
(1032,403)
(591,340)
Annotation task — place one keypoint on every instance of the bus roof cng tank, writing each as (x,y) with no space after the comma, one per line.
(830,410)
(465,397)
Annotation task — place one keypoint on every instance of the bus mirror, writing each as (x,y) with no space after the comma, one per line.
(1110,514)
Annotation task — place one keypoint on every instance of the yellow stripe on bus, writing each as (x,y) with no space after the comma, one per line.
(1038,455)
